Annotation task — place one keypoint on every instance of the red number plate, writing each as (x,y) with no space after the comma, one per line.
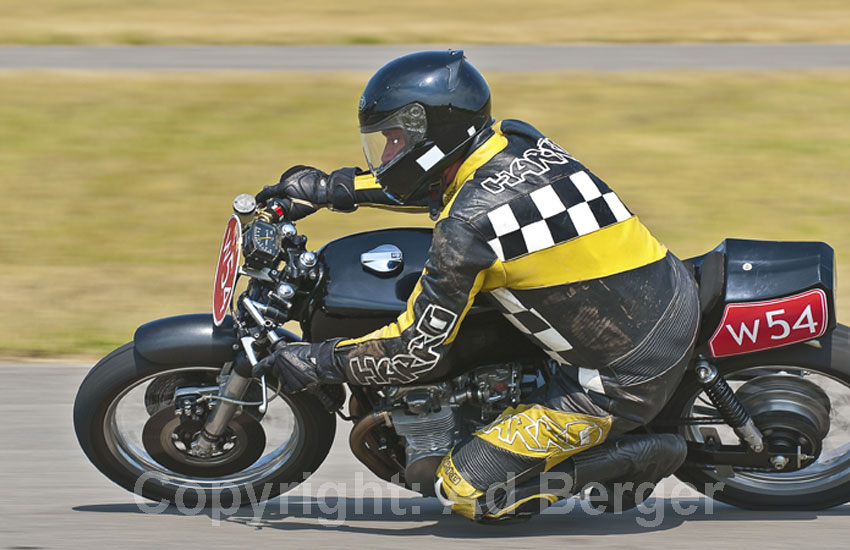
(228,265)
(757,326)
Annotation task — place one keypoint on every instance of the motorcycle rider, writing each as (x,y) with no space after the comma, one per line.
(523,223)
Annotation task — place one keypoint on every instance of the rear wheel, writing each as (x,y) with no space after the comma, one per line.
(803,411)
(124,417)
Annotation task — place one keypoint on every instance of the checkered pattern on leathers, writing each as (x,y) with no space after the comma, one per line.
(553,214)
(531,323)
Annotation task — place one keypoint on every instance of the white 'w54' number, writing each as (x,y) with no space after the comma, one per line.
(774,319)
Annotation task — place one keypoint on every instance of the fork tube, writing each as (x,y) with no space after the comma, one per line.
(222,413)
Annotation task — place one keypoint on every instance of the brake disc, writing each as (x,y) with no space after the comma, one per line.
(167,438)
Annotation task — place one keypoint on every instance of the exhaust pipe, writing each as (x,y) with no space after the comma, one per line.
(364,445)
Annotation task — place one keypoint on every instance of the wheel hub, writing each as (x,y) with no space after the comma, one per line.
(168,439)
(791,413)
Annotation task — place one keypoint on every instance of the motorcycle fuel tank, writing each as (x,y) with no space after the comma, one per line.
(367,278)
(366,281)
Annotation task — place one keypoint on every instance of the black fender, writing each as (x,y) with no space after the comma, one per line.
(190,339)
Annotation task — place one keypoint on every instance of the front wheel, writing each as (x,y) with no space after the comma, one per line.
(125,423)
(790,385)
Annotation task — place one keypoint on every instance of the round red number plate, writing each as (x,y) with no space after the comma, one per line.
(228,265)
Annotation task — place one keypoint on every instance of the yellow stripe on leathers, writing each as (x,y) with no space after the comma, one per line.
(614,249)
(539,432)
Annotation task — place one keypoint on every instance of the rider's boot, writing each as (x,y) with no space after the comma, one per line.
(627,467)
(626,472)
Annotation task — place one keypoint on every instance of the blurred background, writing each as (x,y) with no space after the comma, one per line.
(117,185)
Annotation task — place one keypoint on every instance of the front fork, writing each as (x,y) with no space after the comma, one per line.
(230,399)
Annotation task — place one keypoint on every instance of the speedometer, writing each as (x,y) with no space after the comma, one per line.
(262,244)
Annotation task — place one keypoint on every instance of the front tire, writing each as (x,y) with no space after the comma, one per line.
(98,421)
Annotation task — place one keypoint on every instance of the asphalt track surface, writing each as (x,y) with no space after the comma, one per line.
(51,497)
(602,57)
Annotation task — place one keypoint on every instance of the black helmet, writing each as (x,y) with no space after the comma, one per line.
(418,115)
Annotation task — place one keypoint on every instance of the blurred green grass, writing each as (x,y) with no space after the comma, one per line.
(117,187)
(437,21)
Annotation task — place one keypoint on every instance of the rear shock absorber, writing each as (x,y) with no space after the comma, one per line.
(732,410)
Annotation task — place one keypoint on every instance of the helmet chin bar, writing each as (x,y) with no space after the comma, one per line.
(434,184)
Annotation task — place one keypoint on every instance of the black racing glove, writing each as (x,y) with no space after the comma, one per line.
(301,365)
(307,189)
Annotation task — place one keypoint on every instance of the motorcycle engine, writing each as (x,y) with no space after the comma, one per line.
(433,418)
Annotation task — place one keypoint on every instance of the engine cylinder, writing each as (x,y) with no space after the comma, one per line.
(427,434)
(429,437)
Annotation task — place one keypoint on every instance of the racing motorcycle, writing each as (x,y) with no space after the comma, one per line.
(764,406)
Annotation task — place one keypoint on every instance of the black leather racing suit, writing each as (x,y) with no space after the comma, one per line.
(573,269)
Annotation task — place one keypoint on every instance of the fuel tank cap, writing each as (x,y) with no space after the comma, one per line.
(385,259)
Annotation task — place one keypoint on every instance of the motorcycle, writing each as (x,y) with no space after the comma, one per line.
(763,406)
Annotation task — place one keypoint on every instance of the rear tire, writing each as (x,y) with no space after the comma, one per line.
(777,491)
(120,370)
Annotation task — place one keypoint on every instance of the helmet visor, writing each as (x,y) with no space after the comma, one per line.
(387,141)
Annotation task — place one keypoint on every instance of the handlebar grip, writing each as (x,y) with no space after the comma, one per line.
(279,208)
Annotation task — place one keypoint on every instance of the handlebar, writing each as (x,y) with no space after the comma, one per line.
(278,292)
(275,210)
(276,298)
